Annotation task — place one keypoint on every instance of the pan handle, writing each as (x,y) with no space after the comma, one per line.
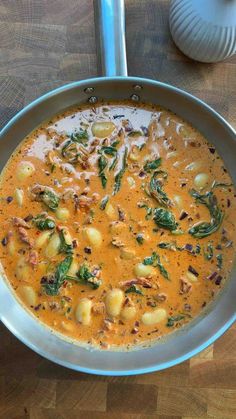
(109,18)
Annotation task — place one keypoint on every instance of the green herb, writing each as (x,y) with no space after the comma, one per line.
(69,151)
(85,276)
(139,238)
(64,246)
(53,167)
(204,228)
(155,189)
(216,184)
(43,223)
(150,260)
(219,258)
(102,164)
(152,165)
(170,246)
(147,208)
(80,137)
(133,289)
(155,261)
(110,150)
(120,174)
(49,198)
(135,134)
(208,252)
(57,280)
(172,320)
(113,163)
(104,202)
(197,249)
(165,219)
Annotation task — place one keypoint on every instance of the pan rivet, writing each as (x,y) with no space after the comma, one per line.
(135,98)
(137,87)
(93,99)
(89,90)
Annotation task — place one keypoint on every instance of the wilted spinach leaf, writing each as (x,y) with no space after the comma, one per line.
(204,228)
(164,219)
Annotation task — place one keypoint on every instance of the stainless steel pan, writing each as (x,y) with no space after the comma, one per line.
(117,85)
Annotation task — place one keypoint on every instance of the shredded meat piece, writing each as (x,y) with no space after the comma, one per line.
(36,190)
(19,222)
(83,202)
(160,297)
(54,305)
(33,257)
(144,282)
(185,286)
(117,242)
(121,213)
(24,236)
(98,308)
(107,324)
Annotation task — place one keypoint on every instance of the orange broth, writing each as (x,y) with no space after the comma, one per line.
(102,212)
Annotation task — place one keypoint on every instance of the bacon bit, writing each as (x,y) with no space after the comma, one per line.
(36,308)
(160,297)
(36,190)
(134,331)
(9,199)
(128,302)
(144,282)
(19,222)
(95,142)
(121,213)
(29,218)
(187,307)
(54,305)
(107,324)
(185,286)
(218,280)
(75,243)
(105,345)
(183,215)
(117,242)
(4,241)
(95,197)
(24,237)
(98,308)
(127,125)
(33,257)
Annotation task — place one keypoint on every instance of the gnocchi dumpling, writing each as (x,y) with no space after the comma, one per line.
(110,211)
(102,129)
(143,270)
(94,236)
(19,196)
(28,295)
(114,301)
(53,246)
(155,316)
(24,170)
(63,214)
(42,239)
(83,311)
(128,313)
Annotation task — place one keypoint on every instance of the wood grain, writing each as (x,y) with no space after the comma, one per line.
(45,44)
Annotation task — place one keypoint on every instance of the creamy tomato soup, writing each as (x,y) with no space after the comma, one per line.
(117,223)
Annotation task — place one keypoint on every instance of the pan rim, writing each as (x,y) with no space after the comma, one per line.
(85,83)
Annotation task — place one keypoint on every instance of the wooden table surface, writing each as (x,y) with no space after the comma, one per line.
(45,44)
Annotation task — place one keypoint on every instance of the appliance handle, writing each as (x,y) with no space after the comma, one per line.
(109,16)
